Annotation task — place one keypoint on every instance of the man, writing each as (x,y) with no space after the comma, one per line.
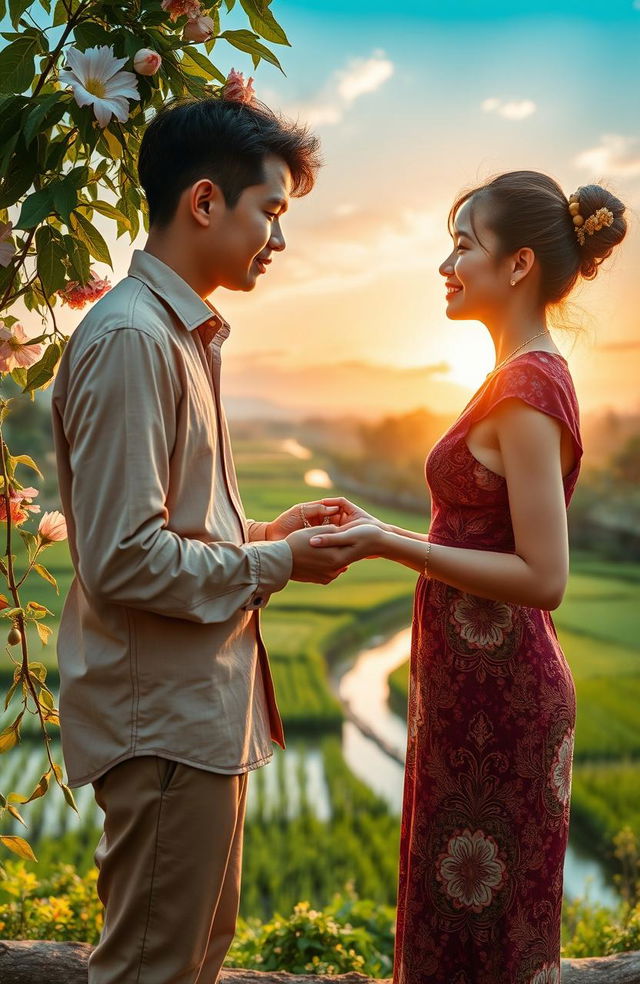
(166,697)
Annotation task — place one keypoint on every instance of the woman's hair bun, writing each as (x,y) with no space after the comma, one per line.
(597,245)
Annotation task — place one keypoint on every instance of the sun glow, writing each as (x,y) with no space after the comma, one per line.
(469,351)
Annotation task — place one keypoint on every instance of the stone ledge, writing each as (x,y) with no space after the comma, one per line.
(39,961)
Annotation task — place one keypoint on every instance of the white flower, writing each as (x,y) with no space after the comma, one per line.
(471,870)
(95,78)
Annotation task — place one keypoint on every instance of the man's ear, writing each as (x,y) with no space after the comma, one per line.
(204,200)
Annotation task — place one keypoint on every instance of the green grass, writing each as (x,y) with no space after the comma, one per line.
(605,798)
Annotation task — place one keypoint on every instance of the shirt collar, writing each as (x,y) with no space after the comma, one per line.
(188,306)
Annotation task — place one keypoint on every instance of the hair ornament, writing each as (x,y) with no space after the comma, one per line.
(602,218)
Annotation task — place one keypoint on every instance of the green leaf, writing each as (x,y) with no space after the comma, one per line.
(11,691)
(40,790)
(36,669)
(39,611)
(65,199)
(19,846)
(14,813)
(130,205)
(49,108)
(202,65)
(42,372)
(246,41)
(112,213)
(50,261)
(35,208)
(45,634)
(25,459)
(89,35)
(17,64)
(60,15)
(263,22)
(68,795)
(89,235)
(29,540)
(78,259)
(77,177)
(17,9)
(9,738)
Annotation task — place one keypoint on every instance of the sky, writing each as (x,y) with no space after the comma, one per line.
(413,102)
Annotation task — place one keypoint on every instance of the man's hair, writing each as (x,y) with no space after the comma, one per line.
(224,141)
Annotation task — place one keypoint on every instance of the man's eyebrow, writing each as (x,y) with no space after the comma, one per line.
(280,203)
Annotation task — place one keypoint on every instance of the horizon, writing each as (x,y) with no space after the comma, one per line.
(410,111)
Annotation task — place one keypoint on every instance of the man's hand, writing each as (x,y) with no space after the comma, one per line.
(313,513)
(309,564)
(348,512)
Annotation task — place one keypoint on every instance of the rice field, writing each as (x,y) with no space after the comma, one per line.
(294,851)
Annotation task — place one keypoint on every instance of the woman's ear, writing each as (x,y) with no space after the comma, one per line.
(523,261)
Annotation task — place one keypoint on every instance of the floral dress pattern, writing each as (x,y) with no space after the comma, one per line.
(490,733)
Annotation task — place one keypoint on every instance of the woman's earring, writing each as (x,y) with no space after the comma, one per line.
(513,283)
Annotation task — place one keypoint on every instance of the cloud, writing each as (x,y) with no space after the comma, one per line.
(356,252)
(359,78)
(513,109)
(615,155)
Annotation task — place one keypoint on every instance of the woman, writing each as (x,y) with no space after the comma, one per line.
(491,704)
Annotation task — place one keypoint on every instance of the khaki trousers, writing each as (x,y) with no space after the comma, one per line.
(169,865)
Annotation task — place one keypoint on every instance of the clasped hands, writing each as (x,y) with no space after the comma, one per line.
(321,556)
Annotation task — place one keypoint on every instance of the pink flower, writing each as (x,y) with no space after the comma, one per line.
(19,504)
(14,352)
(180,8)
(76,296)
(7,249)
(146,61)
(199,29)
(53,527)
(236,89)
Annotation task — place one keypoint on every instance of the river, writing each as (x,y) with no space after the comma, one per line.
(362,686)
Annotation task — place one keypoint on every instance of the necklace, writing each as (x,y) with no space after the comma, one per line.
(516,350)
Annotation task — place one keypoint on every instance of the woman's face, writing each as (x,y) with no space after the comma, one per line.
(477,277)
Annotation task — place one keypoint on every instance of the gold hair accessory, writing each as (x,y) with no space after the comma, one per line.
(602,218)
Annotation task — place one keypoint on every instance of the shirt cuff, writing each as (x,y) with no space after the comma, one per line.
(271,565)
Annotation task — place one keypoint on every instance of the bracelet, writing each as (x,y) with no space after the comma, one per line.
(425,572)
(305,521)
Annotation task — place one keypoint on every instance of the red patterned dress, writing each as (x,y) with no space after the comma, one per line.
(490,734)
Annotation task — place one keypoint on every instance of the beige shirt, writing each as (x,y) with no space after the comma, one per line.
(159,646)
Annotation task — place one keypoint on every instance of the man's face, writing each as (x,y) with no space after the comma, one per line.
(244,237)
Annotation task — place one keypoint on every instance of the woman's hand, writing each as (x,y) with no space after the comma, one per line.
(314,513)
(357,540)
(350,513)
